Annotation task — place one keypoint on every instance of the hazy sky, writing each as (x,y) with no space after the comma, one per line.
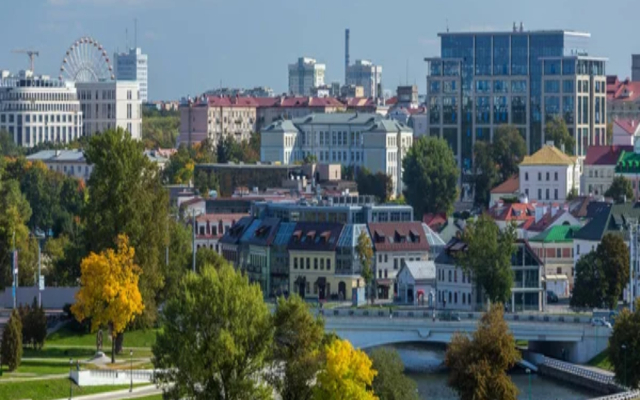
(193,45)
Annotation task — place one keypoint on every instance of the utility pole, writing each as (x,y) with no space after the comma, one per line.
(193,242)
(14,270)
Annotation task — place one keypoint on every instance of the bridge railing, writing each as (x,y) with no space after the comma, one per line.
(579,371)
(631,395)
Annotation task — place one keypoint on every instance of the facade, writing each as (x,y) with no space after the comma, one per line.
(628,166)
(255,252)
(417,283)
(68,162)
(623,98)
(635,67)
(509,189)
(211,227)
(305,74)
(271,110)
(36,109)
(484,79)
(625,131)
(133,66)
(599,168)
(365,140)
(351,91)
(229,243)
(549,175)
(364,73)
(111,105)
(260,91)
(554,247)
(407,96)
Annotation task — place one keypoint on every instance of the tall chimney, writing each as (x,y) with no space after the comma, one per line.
(346,54)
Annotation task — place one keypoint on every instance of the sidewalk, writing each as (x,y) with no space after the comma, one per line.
(121,394)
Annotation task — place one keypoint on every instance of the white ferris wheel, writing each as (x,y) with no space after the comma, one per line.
(86,61)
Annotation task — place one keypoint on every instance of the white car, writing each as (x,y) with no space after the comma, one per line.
(600,322)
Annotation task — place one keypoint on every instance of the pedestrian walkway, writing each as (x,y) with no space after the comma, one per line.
(122,394)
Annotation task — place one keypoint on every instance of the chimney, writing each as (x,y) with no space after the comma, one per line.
(515,29)
(521,27)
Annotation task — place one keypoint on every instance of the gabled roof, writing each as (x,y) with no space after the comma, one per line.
(398,236)
(594,229)
(548,155)
(512,211)
(605,155)
(548,219)
(622,91)
(315,236)
(557,234)
(628,125)
(509,186)
(261,232)
(420,270)
(435,221)
(233,235)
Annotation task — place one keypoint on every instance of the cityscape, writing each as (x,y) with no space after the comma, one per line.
(367,212)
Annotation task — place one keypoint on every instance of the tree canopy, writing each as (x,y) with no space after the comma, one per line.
(11,346)
(160,128)
(430,176)
(379,184)
(485,172)
(509,148)
(556,130)
(590,285)
(364,250)
(620,190)
(390,383)
(626,362)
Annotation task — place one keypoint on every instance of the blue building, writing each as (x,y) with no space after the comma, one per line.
(526,78)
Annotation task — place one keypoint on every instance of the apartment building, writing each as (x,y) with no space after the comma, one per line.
(364,73)
(305,74)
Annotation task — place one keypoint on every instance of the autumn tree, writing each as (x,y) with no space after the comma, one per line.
(556,130)
(390,383)
(11,346)
(479,364)
(626,362)
(215,338)
(109,292)
(364,250)
(620,190)
(509,148)
(488,257)
(347,374)
(296,348)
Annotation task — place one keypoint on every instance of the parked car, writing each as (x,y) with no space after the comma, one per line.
(551,297)
(448,316)
(600,322)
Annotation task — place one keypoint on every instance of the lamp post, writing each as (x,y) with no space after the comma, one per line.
(624,351)
(70,380)
(131,370)
(528,371)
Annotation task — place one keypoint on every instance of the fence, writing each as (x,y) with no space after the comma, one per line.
(111,377)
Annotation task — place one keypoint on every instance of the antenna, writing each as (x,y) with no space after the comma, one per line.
(135,36)
(447,24)
(126,39)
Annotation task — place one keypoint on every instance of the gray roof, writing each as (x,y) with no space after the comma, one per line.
(338,118)
(155,157)
(421,270)
(281,126)
(389,125)
(57,156)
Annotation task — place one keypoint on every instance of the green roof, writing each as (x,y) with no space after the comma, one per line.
(629,161)
(557,234)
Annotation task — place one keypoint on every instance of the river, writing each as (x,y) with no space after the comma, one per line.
(422,359)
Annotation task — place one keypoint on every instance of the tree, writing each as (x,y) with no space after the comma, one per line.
(509,148)
(8,147)
(488,257)
(11,347)
(626,362)
(345,375)
(590,287)
(620,190)
(390,383)
(39,326)
(430,176)
(160,128)
(296,348)
(215,339)
(126,197)
(364,250)
(613,253)
(573,194)
(609,133)
(310,159)
(557,131)
(485,174)
(478,365)
(379,184)
(207,257)
(109,292)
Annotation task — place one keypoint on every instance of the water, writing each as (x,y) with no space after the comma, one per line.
(423,363)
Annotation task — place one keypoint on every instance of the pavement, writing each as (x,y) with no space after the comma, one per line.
(142,391)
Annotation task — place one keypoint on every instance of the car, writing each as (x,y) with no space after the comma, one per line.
(551,297)
(600,322)
(449,316)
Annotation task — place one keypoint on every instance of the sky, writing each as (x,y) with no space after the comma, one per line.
(197,45)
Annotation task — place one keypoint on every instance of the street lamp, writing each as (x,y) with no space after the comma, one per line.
(528,371)
(70,380)
(131,370)
(624,351)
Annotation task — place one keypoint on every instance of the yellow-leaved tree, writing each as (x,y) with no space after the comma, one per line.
(109,293)
(346,374)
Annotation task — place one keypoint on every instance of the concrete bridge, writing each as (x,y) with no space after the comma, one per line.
(568,337)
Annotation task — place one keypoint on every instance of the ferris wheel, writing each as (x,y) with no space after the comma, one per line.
(86,61)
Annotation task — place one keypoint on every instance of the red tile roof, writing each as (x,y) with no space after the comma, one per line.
(511,185)
(391,101)
(435,221)
(309,102)
(546,221)
(604,155)
(630,126)
(618,90)
(512,212)
(232,101)
(398,236)
(360,102)
(220,217)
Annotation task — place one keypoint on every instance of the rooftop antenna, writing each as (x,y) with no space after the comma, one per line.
(126,39)
(135,36)
(447,24)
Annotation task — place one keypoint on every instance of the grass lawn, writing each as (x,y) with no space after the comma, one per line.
(522,343)
(601,361)
(67,337)
(154,397)
(35,368)
(59,353)
(48,389)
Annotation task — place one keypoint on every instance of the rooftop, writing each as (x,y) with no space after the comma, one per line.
(548,155)
(58,156)
(398,236)
(626,90)
(421,270)
(605,155)
(629,126)
(315,236)
(557,234)
(509,186)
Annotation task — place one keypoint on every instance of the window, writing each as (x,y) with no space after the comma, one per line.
(449,295)
(395,263)
(547,193)
(449,276)
(539,194)
(539,176)
(322,263)
(578,249)
(308,263)
(555,176)
(547,176)
(455,276)
(555,194)
(526,176)
(315,263)
(455,298)
(328,264)
(386,258)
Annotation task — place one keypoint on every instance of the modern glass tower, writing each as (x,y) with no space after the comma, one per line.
(484,79)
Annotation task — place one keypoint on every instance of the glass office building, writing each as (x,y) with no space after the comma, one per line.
(525,78)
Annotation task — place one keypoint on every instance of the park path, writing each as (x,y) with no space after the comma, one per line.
(121,394)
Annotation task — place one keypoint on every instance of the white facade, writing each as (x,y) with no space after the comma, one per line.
(37,109)
(305,74)
(110,105)
(417,283)
(365,140)
(68,162)
(364,73)
(549,175)
(133,66)
(455,288)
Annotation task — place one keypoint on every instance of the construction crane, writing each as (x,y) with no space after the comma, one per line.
(30,53)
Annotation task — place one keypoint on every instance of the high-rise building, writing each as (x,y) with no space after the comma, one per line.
(37,109)
(364,73)
(525,78)
(133,66)
(305,74)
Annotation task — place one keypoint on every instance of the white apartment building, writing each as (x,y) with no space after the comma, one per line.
(305,74)
(68,162)
(549,175)
(133,66)
(36,109)
(110,105)
(364,73)
(358,139)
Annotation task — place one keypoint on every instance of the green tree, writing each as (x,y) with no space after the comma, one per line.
(509,148)
(591,286)
(613,254)
(310,159)
(364,250)
(205,182)
(488,257)
(215,340)
(379,184)
(179,258)
(391,383)
(296,348)
(626,362)
(11,347)
(207,257)
(478,365)
(573,194)
(34,325)
(160,128)
(126,197)
(557,131)
(430,176)
(485,173)
(8,147)
(620,190)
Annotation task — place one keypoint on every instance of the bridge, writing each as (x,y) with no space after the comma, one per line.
(569,337)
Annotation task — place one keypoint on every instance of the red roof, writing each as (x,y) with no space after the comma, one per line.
(398,236)
(435,221)
(626,90)
(511,185)
(309,102)
(546,220)
(220,217)
(391,101)
(360,102)
(512,212)
(630,126)
(604,155)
